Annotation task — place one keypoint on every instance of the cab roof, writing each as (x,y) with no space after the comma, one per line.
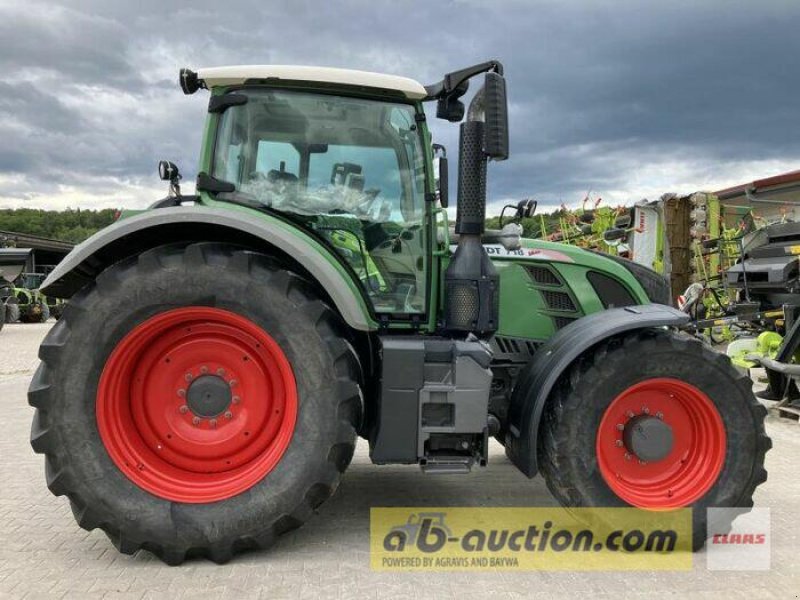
(236,75)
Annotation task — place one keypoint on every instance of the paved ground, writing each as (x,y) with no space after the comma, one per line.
(43,554)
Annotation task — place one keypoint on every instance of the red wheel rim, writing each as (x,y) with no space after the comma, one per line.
(146,405)
(694,461)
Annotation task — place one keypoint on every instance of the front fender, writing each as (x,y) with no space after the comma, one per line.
(133,235)
(554,357)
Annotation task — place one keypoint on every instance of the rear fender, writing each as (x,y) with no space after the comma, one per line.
(554,358)
(258,231)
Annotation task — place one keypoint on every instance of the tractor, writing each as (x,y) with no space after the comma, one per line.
(12,263)
(221,352)
(29,304)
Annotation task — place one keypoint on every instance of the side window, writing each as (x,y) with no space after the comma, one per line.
(400,120)
(228,158)
(270,155)
(404,126)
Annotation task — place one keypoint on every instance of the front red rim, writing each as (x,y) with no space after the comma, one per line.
(693,464)
(157,440)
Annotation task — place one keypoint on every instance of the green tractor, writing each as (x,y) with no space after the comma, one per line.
(50,306)
(222,351)
(32,306)
(12,263)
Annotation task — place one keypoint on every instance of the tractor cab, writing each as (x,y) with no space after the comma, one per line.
(347,157)
(342,154)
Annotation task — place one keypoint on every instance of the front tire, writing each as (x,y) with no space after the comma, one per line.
(716,442)
(195,401)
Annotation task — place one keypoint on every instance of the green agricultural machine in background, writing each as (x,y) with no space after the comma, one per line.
(28,304)
(31,306)
(221,352)
(12,263)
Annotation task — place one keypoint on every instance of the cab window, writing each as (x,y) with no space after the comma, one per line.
(352,170)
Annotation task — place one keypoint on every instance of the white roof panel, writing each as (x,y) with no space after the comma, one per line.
(217,76)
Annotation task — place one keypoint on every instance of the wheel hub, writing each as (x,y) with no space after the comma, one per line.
(208,396)
(661,443)
(649,438)
(196,404)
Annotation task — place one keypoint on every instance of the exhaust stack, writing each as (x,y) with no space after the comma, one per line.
(471,281)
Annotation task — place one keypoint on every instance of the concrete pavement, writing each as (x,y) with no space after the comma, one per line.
(44,554)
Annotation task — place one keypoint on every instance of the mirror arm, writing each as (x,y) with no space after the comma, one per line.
(452,82)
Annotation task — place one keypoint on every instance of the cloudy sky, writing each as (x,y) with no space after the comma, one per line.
(626,99)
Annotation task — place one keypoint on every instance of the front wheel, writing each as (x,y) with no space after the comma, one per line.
(654,420)
(195,400)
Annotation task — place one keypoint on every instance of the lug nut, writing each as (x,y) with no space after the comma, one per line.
(659,415)
(645,410)
(620,427)
(641,462)
(232,382)
(630,414)
(188,377)
(213,422)
(228,414)
(627,456)
(184,409)
(196,421)
(204,369)
(618,443)
(220,371)
(181,392)
(236,399)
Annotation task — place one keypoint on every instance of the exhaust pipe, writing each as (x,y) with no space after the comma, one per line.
(471,282)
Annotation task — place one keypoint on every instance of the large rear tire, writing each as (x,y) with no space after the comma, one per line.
(195,401)
(715,456)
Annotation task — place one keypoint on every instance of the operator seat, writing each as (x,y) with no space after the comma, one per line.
(275,175)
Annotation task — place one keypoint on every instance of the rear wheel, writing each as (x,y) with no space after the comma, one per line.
(654,420)
(12,310)
(217,411)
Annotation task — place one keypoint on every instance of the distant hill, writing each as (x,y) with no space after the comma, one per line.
(71,225)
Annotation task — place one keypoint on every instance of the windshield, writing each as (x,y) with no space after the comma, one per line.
(351,169)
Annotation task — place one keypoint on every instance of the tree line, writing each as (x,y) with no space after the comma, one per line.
(75,225)
(70,225)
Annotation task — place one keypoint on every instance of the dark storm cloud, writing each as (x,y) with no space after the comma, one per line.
(601,92)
